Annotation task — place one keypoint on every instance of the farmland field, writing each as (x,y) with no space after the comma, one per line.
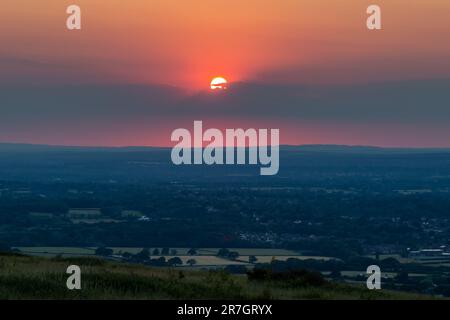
(205,257)
(213,251)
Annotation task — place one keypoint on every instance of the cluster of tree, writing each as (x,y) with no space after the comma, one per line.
(144,257)
(434,280)
(103,251)
(192,252)
(227,254)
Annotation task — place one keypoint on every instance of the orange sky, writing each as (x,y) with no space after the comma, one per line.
(101,85)
(185,43)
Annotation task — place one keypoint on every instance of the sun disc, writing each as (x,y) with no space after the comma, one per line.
(219,83)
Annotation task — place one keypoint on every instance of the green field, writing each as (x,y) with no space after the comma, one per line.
(24,277)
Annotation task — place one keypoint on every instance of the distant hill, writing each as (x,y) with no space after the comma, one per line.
(360,149)
(23,147)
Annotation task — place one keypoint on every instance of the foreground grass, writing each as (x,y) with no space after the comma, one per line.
(23,277)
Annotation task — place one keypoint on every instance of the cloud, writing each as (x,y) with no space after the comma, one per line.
(405,101)
(80,111)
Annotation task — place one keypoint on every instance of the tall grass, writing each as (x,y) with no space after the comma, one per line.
(24,277)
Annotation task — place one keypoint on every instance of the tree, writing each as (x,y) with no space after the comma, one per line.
(165,251)
(175,261)
(223,253)
(192,252)
(191,262)
(156,252)
(159,262)
(336,274)
(102,251)
(126,255)
(233,255)
(252,259)
(142,256)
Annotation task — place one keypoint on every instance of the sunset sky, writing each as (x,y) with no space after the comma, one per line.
(139,69)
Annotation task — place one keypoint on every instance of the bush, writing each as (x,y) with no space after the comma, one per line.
(191,262)
(192,252)
(300,278)
(175,261)
(236,269)
(159,262)
(102,251)
(142,256)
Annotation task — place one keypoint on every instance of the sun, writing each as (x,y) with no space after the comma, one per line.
(219,83)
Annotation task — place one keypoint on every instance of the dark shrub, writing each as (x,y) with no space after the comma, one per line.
(102,251)
(236,269)
(300,278)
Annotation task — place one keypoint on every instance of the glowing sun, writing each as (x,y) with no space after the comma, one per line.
(219,83)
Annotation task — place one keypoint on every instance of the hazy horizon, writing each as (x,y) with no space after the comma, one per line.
(323,145)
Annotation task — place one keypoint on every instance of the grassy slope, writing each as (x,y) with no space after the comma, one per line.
(23,277)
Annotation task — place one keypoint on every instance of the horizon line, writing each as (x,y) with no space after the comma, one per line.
(30,144)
